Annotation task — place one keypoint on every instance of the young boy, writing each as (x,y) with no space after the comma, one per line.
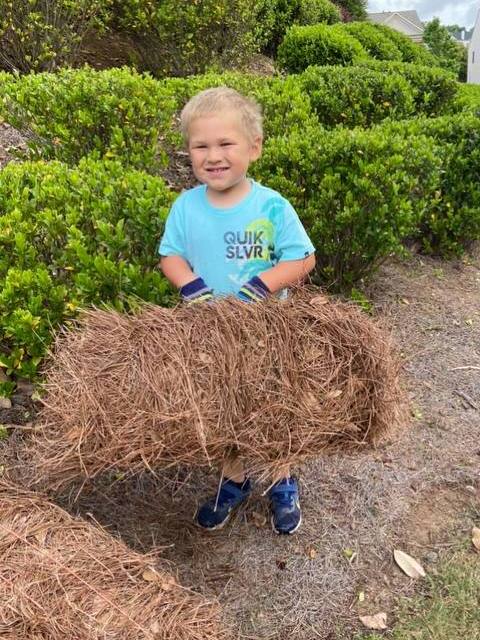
(232,236)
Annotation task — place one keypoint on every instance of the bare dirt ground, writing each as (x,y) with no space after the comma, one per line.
(420,493)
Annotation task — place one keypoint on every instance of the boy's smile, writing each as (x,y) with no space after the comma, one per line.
(221,152)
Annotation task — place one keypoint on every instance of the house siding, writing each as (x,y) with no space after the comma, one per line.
(407,22)
(473,75)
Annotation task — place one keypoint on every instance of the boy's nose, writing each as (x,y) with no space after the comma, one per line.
(214,154)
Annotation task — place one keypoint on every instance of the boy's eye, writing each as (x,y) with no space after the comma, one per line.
(226,144)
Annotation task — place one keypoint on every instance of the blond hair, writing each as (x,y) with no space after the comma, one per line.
(211,101)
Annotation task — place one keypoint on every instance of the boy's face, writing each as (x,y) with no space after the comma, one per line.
(221,152)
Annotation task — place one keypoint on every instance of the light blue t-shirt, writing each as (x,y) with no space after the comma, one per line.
(227,247)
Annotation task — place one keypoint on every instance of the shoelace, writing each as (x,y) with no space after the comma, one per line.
(285,499)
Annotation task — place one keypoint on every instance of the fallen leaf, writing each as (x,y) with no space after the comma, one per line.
(408,565)
(476,538)
(377,621)
(361,596)
(281,564)
(311,553)
(405,301)
(319,300)
(205,358)
(259,519)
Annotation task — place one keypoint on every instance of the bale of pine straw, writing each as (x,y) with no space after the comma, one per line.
(275,383)
(62,578)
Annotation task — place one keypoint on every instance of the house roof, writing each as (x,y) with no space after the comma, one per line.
(385,16)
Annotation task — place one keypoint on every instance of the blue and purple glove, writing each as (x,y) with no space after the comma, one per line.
(196,291)
(255,290)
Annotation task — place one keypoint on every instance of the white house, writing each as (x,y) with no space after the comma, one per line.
(407,22)
(474,54)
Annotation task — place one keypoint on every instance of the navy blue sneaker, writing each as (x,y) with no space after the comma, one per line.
(215,513)
(285,506)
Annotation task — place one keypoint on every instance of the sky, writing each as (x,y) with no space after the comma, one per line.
(461,12)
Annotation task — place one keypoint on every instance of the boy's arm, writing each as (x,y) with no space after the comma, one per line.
(287,273)
(177,270)
(192,288)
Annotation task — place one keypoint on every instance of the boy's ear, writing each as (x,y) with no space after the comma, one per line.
(256,148)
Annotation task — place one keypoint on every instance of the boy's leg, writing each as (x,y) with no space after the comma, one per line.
(285,504)
(234,488)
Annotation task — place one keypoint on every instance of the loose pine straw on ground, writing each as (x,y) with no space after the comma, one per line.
(62,578)
(276,383)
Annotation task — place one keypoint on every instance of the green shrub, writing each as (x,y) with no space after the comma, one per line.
(71,237)
(360,193)
(356,96)
(315,11)
(377,44)
(181,37)
(274,17)
(451,221)
(352,9)
(434,90)
(318,45)
(73,113)
(42,35)
(449,53)
(468,98)
(284,104)
(411,51)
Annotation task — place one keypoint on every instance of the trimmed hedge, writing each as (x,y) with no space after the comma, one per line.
(434,90)
(78,112)
(284,104)
(411,51)
(359,193)
(274,17)
(451,222)
(376,43)
(468,98)
(318,45)
(315,11)
(181,37)
(356,96)
(71,237)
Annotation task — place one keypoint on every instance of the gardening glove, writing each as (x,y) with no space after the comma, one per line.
(196,291)
(255,290)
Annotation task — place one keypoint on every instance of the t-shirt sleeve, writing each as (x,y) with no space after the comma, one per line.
(291,239)
(173,241)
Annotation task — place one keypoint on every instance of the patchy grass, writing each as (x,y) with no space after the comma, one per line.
(449,607)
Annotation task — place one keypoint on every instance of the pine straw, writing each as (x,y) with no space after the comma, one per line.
(63,578)
(276,383)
